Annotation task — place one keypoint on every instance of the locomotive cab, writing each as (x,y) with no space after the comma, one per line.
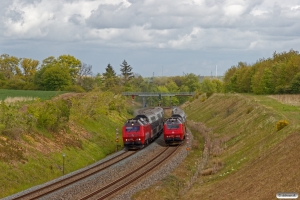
(144,128)
(175,127)
(174,131)
(136,133)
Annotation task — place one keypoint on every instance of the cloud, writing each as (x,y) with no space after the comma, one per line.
(187,25)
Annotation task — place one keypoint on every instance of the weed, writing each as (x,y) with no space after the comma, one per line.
(281,124)
(249,110)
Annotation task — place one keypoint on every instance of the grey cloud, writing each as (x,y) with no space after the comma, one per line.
(111,16)
(14,15)
(75,19)
(183,27)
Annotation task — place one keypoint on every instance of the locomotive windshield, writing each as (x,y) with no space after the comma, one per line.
(172,125)
(132,128)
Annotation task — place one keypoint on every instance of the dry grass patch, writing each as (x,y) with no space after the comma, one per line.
(275,171)
(10,100)
(291,99)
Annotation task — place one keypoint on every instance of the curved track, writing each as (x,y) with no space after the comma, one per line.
(130,177)
(58,185)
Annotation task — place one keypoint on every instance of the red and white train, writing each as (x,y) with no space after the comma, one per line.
(175,127)
(144,128)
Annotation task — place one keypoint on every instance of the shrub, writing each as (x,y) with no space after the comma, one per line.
(74,88)
(209,94)
(130,111)
(15,84)
(51,115)
(203,98)
(249,110)
(112,105)
(281,124)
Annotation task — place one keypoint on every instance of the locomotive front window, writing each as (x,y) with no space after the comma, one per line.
(132,128)
(172,126)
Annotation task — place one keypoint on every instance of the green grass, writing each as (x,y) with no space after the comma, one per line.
(246,127)
(43,95)
(252,133)
(84,141)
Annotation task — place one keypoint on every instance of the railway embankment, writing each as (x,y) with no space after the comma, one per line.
(241,150)
(42,140)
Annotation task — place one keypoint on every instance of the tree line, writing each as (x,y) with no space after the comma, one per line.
(67,73)
(277,75)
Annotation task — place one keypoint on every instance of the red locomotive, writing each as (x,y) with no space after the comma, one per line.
(175,127)
(144,128)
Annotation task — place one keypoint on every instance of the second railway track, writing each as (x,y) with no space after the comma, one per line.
(133,175)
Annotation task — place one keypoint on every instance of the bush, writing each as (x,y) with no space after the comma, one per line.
(74,88)
(249,110)
(15,84)
(49,115)
(203,98)
(112,105)
(281,124)
(130,111)
(209,94)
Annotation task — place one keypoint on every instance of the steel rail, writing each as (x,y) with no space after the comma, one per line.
(67,181)
(130,173)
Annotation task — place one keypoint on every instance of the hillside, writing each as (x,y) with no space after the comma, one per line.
(36,134)
(238,152)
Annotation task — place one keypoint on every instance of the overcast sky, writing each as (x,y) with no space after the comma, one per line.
(164,37)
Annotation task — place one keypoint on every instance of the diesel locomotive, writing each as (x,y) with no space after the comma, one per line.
(144,128)
(175,127)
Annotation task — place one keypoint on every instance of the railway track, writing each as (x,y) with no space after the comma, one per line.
(58,185)
(130,177)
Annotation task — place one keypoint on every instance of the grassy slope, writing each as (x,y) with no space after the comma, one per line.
(37,157)
(248,159)
(28,93)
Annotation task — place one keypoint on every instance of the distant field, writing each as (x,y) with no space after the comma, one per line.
(43,95)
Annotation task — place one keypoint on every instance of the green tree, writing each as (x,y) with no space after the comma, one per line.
(56,78)
(98,80)
(164,99)
(68,62)
(192,82)
(29,67)
(48,61)
(138,84)
(126,72)
(9,66)
(109,78)
(178,80)
(243,78)
(172,86)
(207,86)
(38,77)
(267,82)
(218,85)
(72,64)
(230,78)
(295,84)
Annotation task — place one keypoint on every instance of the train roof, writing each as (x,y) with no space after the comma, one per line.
(151,114)
(174,119)
(178,112)
(136,120)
